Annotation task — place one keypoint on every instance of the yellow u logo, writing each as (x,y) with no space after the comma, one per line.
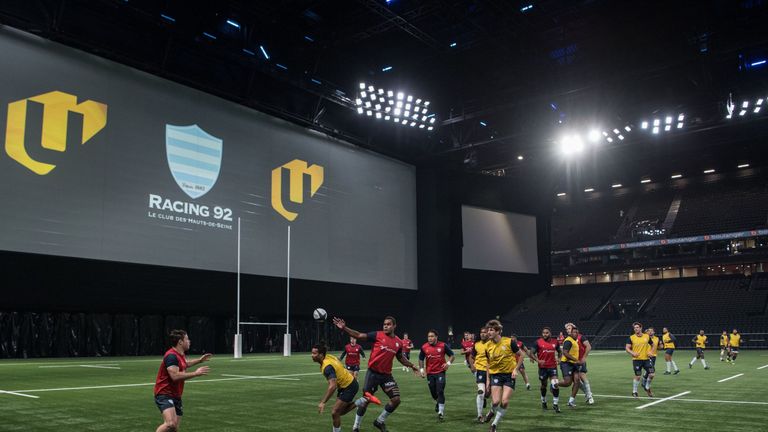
(297,168)
(56,108)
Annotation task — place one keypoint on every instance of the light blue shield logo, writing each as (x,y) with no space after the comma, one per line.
(194,157)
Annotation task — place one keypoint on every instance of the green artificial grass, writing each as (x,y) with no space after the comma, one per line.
(287,401)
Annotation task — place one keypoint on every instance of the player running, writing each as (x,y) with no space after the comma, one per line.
(169,384)
(521,369)
(668,339)
(724,346)
(734,342)
(639,347)
(407,347)
(502,365)
(432,355)
(584,349)
(569,364)
(339,380)
(700,341)
(544,352)
(478,364)
(467,343)
(352,352)
(653,352)
(386,348)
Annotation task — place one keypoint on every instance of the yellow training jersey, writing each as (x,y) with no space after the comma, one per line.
(668,342)
(343,377)
(735,340)
(654,346)
(641,346)
(481,356)
(502,356)
(573,350)
(701,341)
(723,340)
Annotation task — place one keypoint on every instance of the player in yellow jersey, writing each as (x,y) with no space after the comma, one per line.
(655,343)
(569,364)
(668,340)
(639,347)
(339,380)
(478,364)
(503,367)
(700,341)
(724,346)
(734,342)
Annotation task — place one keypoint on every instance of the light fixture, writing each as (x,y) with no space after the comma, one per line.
(561,194)
(627,128)
(589,190)
(644,125)
(643,181)
(520,157)
(594,135)
(709,171)
(676,176)
(616,185)
(743,166)
(655,129)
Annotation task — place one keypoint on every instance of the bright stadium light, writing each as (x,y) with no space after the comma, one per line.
(667,128)
(621,137)
(681,117)
(644,181)
(570,144)
(594,135)
(655,129)
(359,110)
(656,122)
(388,104)
(520,157)
(676,176)
(561,194)
(627,128)
(589,190)
(709,171)
(743,166)
(668,120)
(609,139)
(616,185)
(644,125)
(378,115)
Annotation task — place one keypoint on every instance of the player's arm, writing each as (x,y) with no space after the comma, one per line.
(422,359)
(330,375)
(451,356)
(405,362)
(342,325)
(471,360)
(203,358)
(533,354)
(627,348)
(587,347)
(362,352)
(177,375)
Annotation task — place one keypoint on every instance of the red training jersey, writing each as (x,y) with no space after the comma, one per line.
(164,385)
(352,354)
(466,347)
(560,340)
(383,353)
(546,350)
(407,345)
(434,357)
(581,346)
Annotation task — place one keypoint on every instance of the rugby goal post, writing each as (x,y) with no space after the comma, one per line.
(238,343)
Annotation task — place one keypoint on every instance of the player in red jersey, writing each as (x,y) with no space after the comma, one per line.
(352,352)
(169,384)
(386,348)
(433,355)
(407,347)
(466,346)
(561,338)
(544,352)
(522,349)
(584,349)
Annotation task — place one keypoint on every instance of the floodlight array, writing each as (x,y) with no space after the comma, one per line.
(396,106)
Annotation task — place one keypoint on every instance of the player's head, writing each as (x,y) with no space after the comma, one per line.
(405,335)
(494,328)
(432,337)
(179,340)
(318,353)
(467,335)
(513,336)
(665,330)
(561,334)
(651,331)
(735,331)
(546,333)
(725,332)
(568,327)
(574,331)
(390,323)
(483,333)
(701,332)
(352,340)
(637,327)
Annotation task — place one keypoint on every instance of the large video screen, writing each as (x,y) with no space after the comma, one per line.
(499,241)
(102,161)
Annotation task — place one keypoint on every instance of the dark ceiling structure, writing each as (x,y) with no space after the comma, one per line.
(506,78)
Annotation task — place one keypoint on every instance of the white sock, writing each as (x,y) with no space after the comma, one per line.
(358,421)
(543,399)
(441,408)
(634,386)
(647,384)
(383,416)
(674,365)
(337,429)
(555,400)
(571,400)
(499,414)
(582,386)
(704,362)
(588,390)
(479,403)
(693,361)
(669,367)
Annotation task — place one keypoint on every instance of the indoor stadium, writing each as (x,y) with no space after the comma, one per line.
(383,215)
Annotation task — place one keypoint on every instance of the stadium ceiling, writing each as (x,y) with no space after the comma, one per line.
(505,78)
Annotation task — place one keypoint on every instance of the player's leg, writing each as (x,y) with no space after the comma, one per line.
(393,392)
(671,359)
(370,386)
(339,409)
(506,395)
(522,372)
(496,393)
(432,384)
(703,361)
(440,390)
(696,357)
(543,379)
(637,365)
(555,386)
(734,353)
(171,410)
(480,380)
(650,372)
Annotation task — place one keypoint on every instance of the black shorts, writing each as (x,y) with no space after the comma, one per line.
(582,368)
(653,361)
(347,394)
(407,355)
(568,369)
(639,365)
(164,402)
(670,351)
(734,350)
(502,380)
(481,377)
(374,380)
(353,368)
(699,352)
(545,373)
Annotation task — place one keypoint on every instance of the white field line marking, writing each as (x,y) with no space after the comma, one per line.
(663,400)
(605,353)
(730,378)
(153,360)
(81,365)
(100,366)
(762,367)
(258,377)
(151,384)
(19,394)
(691,400)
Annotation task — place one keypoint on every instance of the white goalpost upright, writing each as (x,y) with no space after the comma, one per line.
(238,346)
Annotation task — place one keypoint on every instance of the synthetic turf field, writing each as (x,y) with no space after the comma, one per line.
(282,395)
